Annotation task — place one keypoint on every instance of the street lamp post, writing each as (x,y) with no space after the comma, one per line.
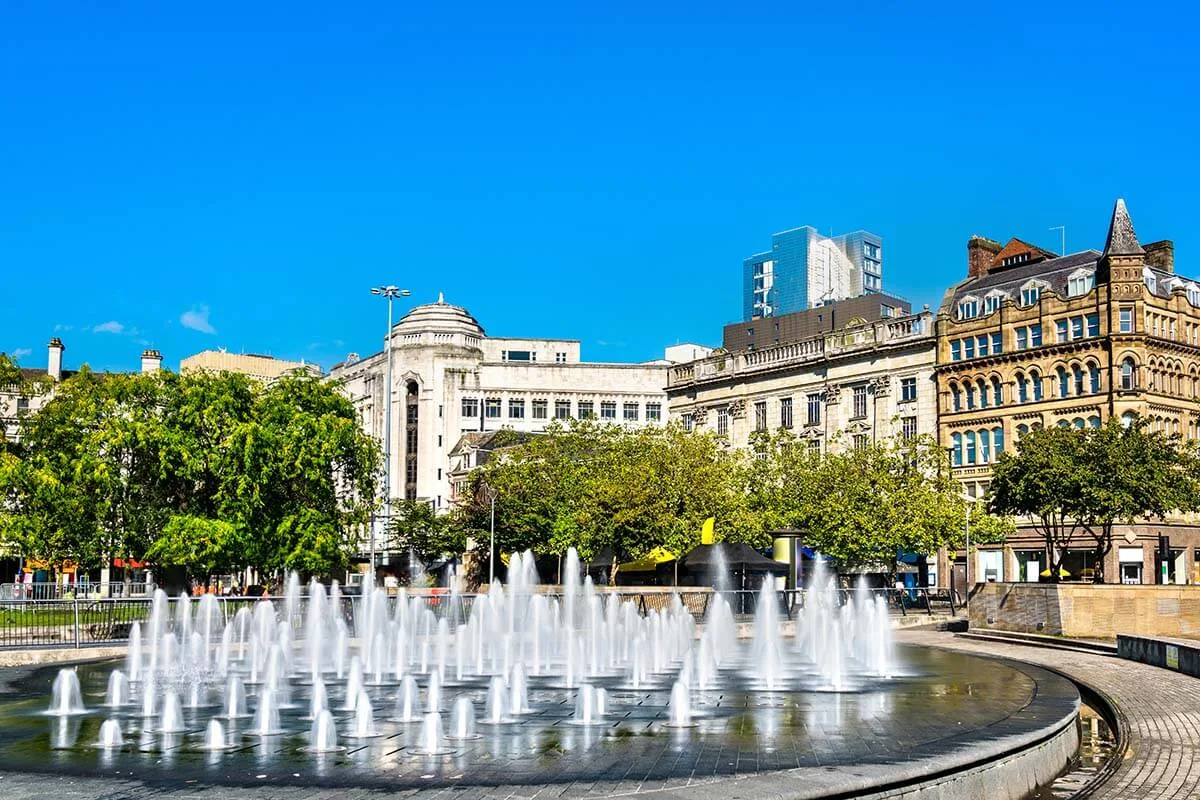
(391,293)
(969,502)
(491,495)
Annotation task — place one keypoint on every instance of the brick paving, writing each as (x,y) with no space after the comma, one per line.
(1162,708)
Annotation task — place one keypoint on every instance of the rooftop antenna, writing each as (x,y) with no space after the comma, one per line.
(1063,230)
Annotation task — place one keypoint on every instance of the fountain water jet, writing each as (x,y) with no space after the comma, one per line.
(65,697)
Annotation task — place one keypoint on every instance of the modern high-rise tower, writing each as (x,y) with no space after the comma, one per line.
(804,269)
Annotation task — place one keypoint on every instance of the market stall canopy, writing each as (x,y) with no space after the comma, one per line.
(649,562)
(736,557)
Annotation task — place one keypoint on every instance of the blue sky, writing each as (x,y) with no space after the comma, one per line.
(593,172)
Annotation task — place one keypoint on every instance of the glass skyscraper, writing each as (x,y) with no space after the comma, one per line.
(804,269)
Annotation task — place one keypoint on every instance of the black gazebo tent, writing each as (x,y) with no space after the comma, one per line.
(698,566)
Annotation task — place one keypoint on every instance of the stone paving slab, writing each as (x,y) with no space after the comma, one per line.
(1162,761)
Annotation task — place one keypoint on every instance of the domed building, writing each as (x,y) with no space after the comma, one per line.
(450,379)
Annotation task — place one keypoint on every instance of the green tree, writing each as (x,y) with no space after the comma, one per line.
(204,546)
(415,527)
(1069,481)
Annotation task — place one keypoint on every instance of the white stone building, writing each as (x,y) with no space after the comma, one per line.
(855,385)
(450,378)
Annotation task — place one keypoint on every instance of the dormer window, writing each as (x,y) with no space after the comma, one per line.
(992,302)
(1019,258)
(1193,294)
(968,307)
(1150,280)
(1030,293)
(1081,282)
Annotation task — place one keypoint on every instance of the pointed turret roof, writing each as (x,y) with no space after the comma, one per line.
(1122,241)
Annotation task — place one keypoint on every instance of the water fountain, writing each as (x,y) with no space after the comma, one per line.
(525,660)
(111,737)
(65,697)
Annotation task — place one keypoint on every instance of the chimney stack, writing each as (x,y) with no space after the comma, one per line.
(54,359)
(1161,255)
(151,361)
(980,253)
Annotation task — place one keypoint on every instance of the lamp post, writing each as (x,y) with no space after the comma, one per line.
(391,293)
(491,496)
(968,502)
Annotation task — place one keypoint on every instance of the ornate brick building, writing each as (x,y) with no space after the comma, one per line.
(1032,339)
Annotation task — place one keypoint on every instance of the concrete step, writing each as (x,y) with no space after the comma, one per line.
(1052,642)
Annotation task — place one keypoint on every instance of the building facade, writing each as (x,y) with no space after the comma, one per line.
(838,389)
(451,379)
(1031,339)
(37,386)
(261,368)
(804,269)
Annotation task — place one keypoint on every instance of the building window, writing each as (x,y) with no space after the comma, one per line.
(886,311)
(968,348)
(985,446)
(970,437)
(1022,338)
(517,355)
(814,445)
(540,407)
(969,391)
(957,457)
(956,397)
(785,412)
(997,392)
(1093,325)
(1064,384)
(491,407)
(908,390)
(968,308)
(1128,375)
(760,415)
(1150,280)
(1030,295)
(860,441)
(1094,378)
(1035,335)
(653,412)
(608,409)
(630,411)
(982,343)
(1022,389)
(688,423)
(1193,294)
(1126,319)
(814,409)
(586,409)
(992,302)
(562,409)
(516,409)
(1077,378)
(470,407)
(1081,283)
(411,416)
(955,350)
(997,341)
(1036,379)
(722,422)
(1060,331)
(560,358)
(860,402)
(908,427)
(1076,327)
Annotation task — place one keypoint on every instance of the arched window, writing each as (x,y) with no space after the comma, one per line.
(1022,429)
(1064,383)
(1078,423)
(970,437)
(998,440)
(956,440)
(969,390)
(1128,374)
(955,397)
(1062,423)
(1077,378)
(1022,388)
(985,446)
(983,393)
(1094,422)
(1127,419)
(1094,378)
(997,393)
(1036,379)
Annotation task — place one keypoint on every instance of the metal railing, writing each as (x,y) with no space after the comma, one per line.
(58,591)
(88,622)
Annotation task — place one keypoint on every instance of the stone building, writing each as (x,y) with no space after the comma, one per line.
(450,379)
(1031,339)
(37,386)
(260,367)
(862,382)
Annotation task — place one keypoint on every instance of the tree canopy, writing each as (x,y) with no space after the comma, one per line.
(1081,483)
(209,471)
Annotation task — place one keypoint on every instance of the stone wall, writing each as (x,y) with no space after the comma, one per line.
(1093,611)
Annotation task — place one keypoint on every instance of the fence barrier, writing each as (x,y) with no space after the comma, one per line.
(27,623)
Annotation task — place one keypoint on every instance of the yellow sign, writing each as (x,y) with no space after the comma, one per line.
(706,532)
